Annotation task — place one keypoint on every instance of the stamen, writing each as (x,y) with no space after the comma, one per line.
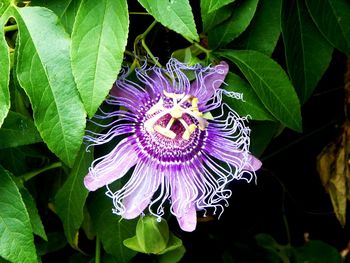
(189,129)
(166,131)
(176,113)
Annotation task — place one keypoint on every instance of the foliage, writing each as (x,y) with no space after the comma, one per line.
(58,62)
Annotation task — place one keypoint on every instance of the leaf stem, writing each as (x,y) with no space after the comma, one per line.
(98,250)
(10,28)
(143,42)
(285,220)
(197,45)
(27,176)
(142,38)
(139,13)
(144,34)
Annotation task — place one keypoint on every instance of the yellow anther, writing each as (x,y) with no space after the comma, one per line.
(186,135)
(192,128)
(195,103)
(165,132)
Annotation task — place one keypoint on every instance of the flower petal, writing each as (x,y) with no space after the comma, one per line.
(183,196)
(143,184)
(112,166)
(204,88)
(188,221)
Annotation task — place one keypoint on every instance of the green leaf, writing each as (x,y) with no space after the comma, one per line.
(18,130)
(172,256)
(34,216)
(226,32)
(110,228)
(212,19)
(16,239)
(68,17)
(87,225)
(151,236)
(43,70)
(308,54)
(11,157)
(262,134)
(333,20)
(174,14)
(4,4)
(316,251)
(216,4)
(264,30)
(270,83)
(98,42)
(58,7)
(5,75)
(251,104)
(71,197)
(56,241)
(174,243)
(66,10)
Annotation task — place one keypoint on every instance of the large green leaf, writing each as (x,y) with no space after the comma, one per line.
(11,157)
(175,14)
(270,83)
(333,20)
(35,220)
(214,18)
(4,4)
(262,134)
(216,4)
(71,197)
(58,7)
(66,10)
(242,14)
(264,30)
(5,75)
(307,52)
(18,130)
(99,38)
(251,104)
(16,238)
(43,70)
(68,17)
(110,228)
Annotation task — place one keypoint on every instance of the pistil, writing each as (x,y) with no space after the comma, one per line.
(176,112)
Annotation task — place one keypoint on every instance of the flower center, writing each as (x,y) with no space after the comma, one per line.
(174,115)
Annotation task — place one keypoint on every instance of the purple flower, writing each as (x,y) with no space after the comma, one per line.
(176,148)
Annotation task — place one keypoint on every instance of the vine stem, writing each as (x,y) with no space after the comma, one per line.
(285,220)
(197,45)
(142,38)
(98,250)
(27,176)
(10,28)
(139,13)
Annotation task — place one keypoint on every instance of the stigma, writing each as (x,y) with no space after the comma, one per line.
(183,107)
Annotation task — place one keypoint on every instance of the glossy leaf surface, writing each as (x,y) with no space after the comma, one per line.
(98,43)
(176,15)
(43,70)
(270,83)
